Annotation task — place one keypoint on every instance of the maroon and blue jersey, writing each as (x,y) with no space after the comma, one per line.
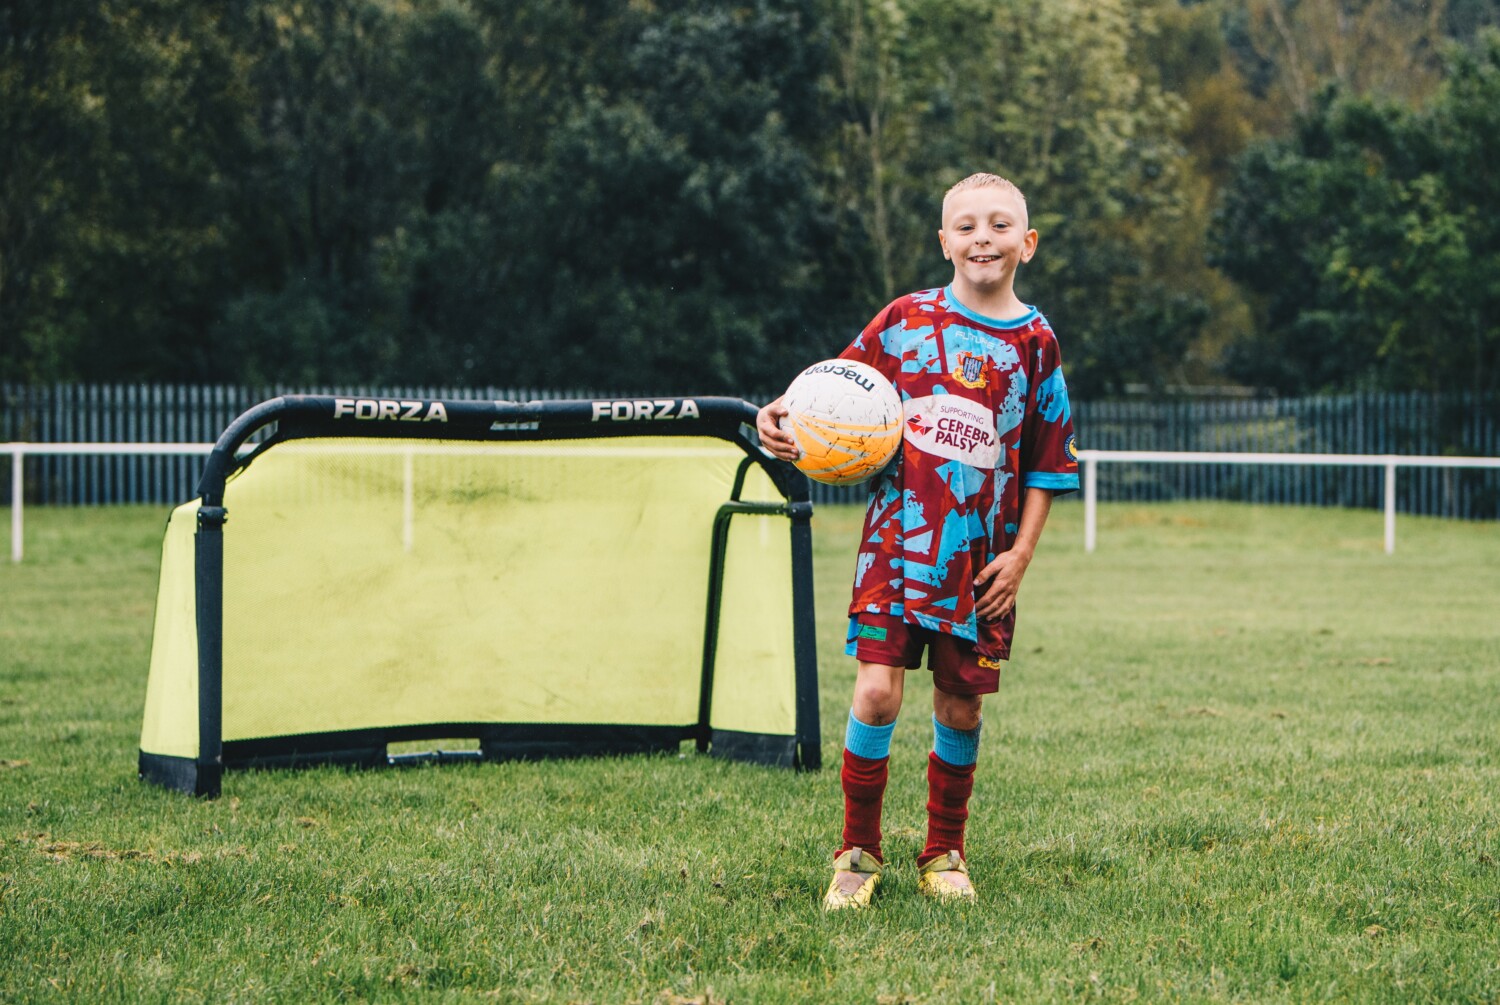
(987,417)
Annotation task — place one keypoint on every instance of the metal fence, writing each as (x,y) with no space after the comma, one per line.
(155,413)
(1410,424)
(1405,424)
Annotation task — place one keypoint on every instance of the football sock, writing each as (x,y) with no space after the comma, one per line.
(950,782)
(870,742)
(866,761)
(956,746)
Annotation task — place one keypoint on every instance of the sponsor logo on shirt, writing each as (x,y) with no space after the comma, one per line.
(955,428)
(1070,448)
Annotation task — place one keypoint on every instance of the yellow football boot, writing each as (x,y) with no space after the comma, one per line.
(856,863)
(934,881)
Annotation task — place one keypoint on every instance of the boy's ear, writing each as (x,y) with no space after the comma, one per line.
(1029,248)
(943,241)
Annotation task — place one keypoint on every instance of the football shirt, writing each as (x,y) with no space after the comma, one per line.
(987,416)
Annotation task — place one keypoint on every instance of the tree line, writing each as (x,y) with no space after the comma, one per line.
(683,195)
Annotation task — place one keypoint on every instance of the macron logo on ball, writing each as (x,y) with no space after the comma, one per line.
(840,370)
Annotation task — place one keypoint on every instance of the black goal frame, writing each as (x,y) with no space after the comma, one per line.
(295,417)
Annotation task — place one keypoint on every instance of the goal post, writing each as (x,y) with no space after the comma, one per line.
(552,578)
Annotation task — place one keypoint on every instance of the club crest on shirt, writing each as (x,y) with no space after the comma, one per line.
(1070,448)
(970,370)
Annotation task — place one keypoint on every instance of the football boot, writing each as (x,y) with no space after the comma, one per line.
(933,879)
(852,862)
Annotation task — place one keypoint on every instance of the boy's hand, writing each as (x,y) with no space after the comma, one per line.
(996,585)
(779,442)
(1003,579)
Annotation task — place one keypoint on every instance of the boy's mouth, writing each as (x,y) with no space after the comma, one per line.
(984,259)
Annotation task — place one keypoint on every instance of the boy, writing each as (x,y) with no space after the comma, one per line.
(952,524)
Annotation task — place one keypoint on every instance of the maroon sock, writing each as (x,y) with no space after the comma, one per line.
(864,790)
(948,790)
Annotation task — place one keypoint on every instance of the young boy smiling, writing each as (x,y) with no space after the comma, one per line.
(952,524)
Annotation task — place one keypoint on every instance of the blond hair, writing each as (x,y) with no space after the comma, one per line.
(984,179)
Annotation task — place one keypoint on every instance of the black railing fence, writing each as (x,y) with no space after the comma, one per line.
(1407,424)
(1402,424)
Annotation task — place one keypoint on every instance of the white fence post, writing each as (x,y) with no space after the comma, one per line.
(17,467)
(1390,506)
(1090,502)
(18,452)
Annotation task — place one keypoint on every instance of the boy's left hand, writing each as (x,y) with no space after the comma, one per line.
(775,439)
(997,584)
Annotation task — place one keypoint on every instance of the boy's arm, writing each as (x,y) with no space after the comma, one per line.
(1003,575)
(772,436)
(867,348)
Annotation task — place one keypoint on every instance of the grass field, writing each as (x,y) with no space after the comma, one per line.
(1240,755)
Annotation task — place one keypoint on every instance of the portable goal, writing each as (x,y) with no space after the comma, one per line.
(547,579)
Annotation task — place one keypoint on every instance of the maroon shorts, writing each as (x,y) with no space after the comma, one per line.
(957,667)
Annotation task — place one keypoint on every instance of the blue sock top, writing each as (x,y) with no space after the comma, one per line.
(870,742)
(958,747)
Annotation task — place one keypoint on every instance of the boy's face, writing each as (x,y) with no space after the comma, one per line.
(985,235)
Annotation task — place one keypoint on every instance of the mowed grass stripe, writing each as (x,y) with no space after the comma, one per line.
(1240,754)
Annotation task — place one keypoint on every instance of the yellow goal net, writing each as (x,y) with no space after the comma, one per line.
(551,579)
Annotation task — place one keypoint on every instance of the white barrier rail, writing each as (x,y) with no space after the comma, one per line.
(18,452)
(1090,460)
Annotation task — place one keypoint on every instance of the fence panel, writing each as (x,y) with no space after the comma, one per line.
(1415,424)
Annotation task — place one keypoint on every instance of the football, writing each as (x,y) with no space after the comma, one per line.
(846,419)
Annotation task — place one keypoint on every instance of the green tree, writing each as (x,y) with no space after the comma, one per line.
(51,123)
(674,225)
(1370,241)
(119,123)
(322,182)
(547,195)
(1049,96)
(1382,48)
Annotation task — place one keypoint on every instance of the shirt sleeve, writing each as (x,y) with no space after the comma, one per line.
(874,345)
(1049,451)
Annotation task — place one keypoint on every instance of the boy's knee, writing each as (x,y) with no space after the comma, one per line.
(957,711)
(877,698)
(876,705)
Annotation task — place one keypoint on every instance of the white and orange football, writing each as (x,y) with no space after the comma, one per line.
(846,419)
